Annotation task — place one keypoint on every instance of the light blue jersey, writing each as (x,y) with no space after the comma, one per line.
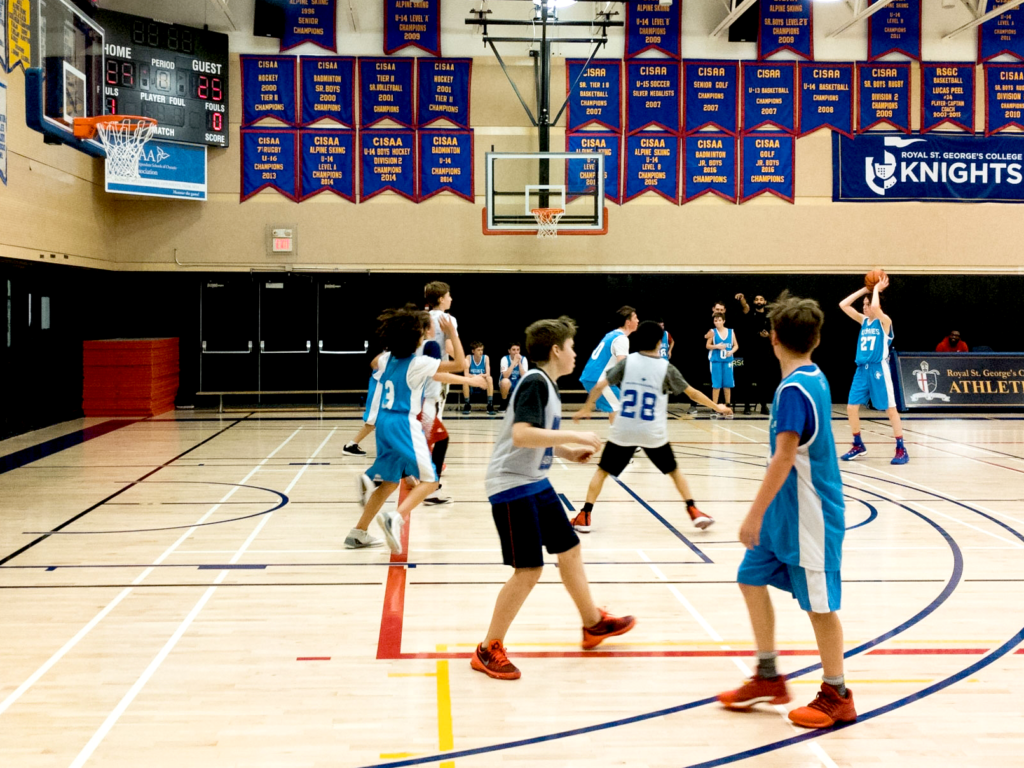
(401,444)
(873,342)
(373,391)
(665,343)
(720,354)
(600,357)
(477,369)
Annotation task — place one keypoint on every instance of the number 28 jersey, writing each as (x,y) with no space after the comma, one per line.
(873,342)
(645,383)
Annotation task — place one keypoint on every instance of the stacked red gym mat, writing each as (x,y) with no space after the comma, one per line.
(130,377)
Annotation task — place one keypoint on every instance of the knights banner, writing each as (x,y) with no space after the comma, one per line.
(268,89)
(388,163)
(595,93)
(653,26)
(385,91)
(19,33)
(709,166)
(1002,35)
(328,89)
(947,96)
(712,95)
(768,165)
(826,98)
(1004,97)
(412,24)
(883,96)
(895,29)
(786,26)
(446,163)
(652,95)
(443,86)
(327,163)
(582,174)
(269,161)
(310,21)
(652,165)
(769,96)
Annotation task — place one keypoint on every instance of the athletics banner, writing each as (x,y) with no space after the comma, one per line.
(595,93)
(960,380)
(443,91)
(709,166)
(328,89)
(895,29)
(787,26)
(768,165)
(310,21)
(1004,97)
(446,163)
(1003,34)
(412,23)
(653,26)
(268,89)
(712,93)
(327,163)
(652,95)
(652,165)
(269,160)
(385,91)
(769,96)
(947,96)
(933,167)
(883,96)
(826,98)
(582,174)
(388,163)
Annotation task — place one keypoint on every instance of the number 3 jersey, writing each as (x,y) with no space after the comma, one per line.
(873,342)
(646,383)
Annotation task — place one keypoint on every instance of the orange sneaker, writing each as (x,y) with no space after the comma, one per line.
(582,522)
(700,519)
(757,690)
(493,662)
(608,626)
(827,709)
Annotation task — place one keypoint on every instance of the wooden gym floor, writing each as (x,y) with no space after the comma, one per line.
(175,593)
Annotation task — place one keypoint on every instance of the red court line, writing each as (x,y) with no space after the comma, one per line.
(696,654)
(389,642)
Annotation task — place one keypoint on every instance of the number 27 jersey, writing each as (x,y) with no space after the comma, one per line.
(873,342)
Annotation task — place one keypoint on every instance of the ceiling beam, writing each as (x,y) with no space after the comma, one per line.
(864,13)
(1007,6)
(737,11)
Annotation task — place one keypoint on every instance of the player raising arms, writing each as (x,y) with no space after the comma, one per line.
(612,349)
(872,383)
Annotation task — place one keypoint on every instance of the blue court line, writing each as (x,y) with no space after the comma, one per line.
(664,522)
(25,456)
(568,504)
(873,514)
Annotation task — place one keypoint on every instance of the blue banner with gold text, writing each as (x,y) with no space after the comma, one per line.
(443,86)
(582,174)
(1002,35)
(947,96)
(895,29)
(709,166)
(712,94)
(653,26)
(1004,97)
(883,96)
(446,163)
(652,165)
(268,89)
(595,93)
(826,98)
(310,21)
(385,91)
(327,160)
(652,95)
(269,161)
(412,23)
(769,96)
(328,89)
(768,165)
(786,26)
(388,163)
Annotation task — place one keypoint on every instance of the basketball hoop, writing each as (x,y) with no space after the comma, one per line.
(123,137)
(547,221)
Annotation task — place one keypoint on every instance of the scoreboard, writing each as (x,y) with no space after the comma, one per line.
(176,75)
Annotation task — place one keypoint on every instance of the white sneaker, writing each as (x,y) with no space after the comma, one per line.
(358,539)
(365,488)
(391,523)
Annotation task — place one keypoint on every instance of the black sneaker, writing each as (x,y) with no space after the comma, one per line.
(491,411)
(353,449)
(746,409)
(467,408)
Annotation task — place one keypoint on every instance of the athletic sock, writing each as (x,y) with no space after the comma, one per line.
(899,442)
(438,454)
(588,507)
(690,503)
(766,665)
(839,683)
(490,401)
(856,439)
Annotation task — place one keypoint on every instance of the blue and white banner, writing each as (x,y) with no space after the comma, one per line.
(1004,97)
(268,89)
(709,166)
(176,171)
(652,165)
(652,95)
(582,174)
(446,163)
(768,165)
(385,91)
(443,86)
(883,96)
(310,21)
(3,133)
(826,98)
(712,95)
(653,26)
(595,94)
(947,96)
(388,163)
(769,96)
(327,163)
(328,89)
(936,167)
(895,29)
(786,26)
(415,23)
(270,159)
(1002,35)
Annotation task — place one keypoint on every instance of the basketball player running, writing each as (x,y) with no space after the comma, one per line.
(438,298)
(872,383)
(646,380)
(478,364)
(723,345)
(795,527)
(513,367)
(525,508)
(612,349)
(373,394)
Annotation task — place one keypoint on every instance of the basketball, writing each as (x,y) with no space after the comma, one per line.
(873,277)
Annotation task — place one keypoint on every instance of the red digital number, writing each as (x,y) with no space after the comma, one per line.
(204,87)
(218,121)
(127,74)
(112,73)
(218,95)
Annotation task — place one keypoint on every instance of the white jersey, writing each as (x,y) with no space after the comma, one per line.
(643,418)
(433,390)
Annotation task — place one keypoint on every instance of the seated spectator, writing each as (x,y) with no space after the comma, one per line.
(513,367)
(478,364)
(952,343)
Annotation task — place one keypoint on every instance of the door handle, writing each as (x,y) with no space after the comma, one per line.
(227,352)
(322,351)
(264,351)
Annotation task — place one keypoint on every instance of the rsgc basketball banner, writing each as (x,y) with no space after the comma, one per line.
(1004,97)
(653,26)
(443,91)
(268,89)
(934,167)
(947,96)
(582,174)
(786,26)
(826,98)
(768,165)
(388,163)
(652,165)
(961,380)
(895,29)
(709,165)
(446,163)
(712,92)
(595,94)
(652,95)
(310,21)
(1003,34)
(328,163)
(769,97)
(385,91)
(328,89)
(883,96)
(415,23)
(269,159)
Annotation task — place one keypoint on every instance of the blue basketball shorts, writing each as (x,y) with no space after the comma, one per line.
(608,402)
(401,450)
(872,384)
(814,591)
(721,374)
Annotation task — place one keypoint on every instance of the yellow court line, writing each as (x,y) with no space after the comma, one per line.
(393,755)
(445,737)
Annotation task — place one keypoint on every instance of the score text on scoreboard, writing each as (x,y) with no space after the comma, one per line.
(176,75)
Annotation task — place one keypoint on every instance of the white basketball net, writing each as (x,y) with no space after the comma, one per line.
(547,221)
(123,140)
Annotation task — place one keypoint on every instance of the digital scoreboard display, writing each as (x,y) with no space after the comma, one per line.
(176,75)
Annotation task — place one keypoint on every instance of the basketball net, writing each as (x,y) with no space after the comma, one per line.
(123,140)
(547,221)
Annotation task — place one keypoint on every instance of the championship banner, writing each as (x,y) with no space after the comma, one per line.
(446,163)
(652,95)
(826,98)
(269,159)
(769,96)
(3,36)
(936,167)
(1003,34)
(3,133)
(653,26)
(385,91)
(328,89)
(883,96)
(1004,97)
(895,29)
(768,165)
(709,165)
(712,93)
(652,165)
(327,163)
(443,91)
(947,96)
(268,89)
(787,26)
(19,34)
(412,23)
(388,163)
(595,94)
(582,174)
(310,21)
(960,380)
